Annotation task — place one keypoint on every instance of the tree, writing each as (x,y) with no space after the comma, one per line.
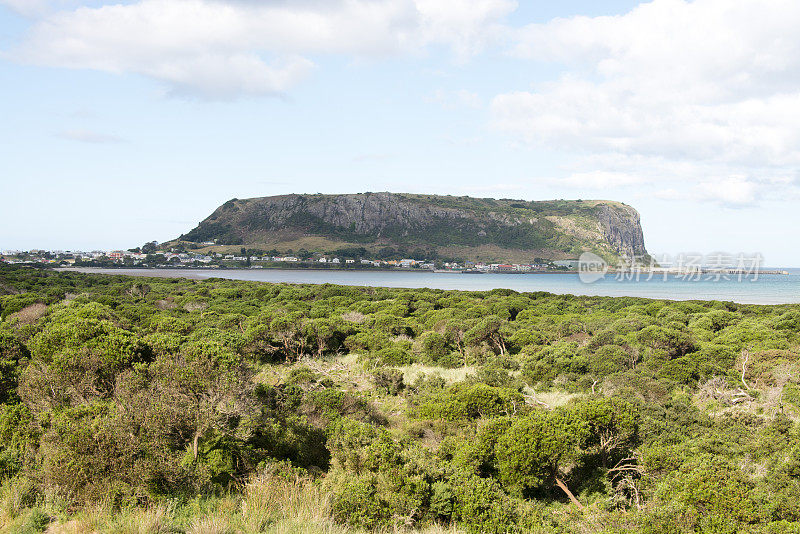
(11,352)
(489,330)
(613,427)
(535,449)
(434,346)
(287,329)
(201,389)
(77,357)
(259,342)
(320,333)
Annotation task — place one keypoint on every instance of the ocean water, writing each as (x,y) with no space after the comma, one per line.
(765,289)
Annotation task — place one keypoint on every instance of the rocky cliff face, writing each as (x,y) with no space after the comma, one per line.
(622,229)
(566,227)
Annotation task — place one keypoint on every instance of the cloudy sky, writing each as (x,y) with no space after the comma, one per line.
(128,121)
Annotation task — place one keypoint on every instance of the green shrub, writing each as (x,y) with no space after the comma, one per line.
(394,356)
(389,380)
(531,452)
(465,401)
(481,506)
(710,492)
(357,503)
(434,346)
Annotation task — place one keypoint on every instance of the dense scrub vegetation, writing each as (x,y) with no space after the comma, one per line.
(224,406)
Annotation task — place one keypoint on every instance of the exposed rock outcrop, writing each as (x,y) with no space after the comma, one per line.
(622,229)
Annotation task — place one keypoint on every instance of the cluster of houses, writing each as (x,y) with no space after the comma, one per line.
(188,258)
(115,256)
(51,256)
(507,267)
(218,259)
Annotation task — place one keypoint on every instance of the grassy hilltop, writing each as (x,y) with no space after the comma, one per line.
(428,226)
(167,405)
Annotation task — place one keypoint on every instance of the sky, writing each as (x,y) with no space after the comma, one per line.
(130,121)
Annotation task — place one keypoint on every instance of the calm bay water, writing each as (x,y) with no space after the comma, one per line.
(766,289)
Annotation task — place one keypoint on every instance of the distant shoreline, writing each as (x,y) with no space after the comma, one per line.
(158,272)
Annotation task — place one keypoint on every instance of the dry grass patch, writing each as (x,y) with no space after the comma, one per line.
(30,314)
(549,399)
(354,317)
(412,372)
(211,524)
(271,502)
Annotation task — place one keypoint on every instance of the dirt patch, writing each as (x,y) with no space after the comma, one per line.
(354,317)
(166,304)
(195,306)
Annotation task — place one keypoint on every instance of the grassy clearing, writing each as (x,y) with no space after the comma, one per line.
(451,376)
(552,399)
(341,369)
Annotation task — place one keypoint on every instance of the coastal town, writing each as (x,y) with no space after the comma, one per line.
(150,256)
(171,258)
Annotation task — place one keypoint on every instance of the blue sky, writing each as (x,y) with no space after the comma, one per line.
(127,122)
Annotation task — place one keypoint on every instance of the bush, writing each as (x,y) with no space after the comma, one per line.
(357,503)
(609,359)
(463,401)
(674,342)
(481,506)
(434,346)
(530,453)
(390,380)
(711,493)
(394,356)
(376,480)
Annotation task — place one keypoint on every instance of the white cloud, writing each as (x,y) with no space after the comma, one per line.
(230,48)
(669,194)
(735,191)
(89,136)
(729,192)
(597,180)
(465,25)
(454,99)
(710,87)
